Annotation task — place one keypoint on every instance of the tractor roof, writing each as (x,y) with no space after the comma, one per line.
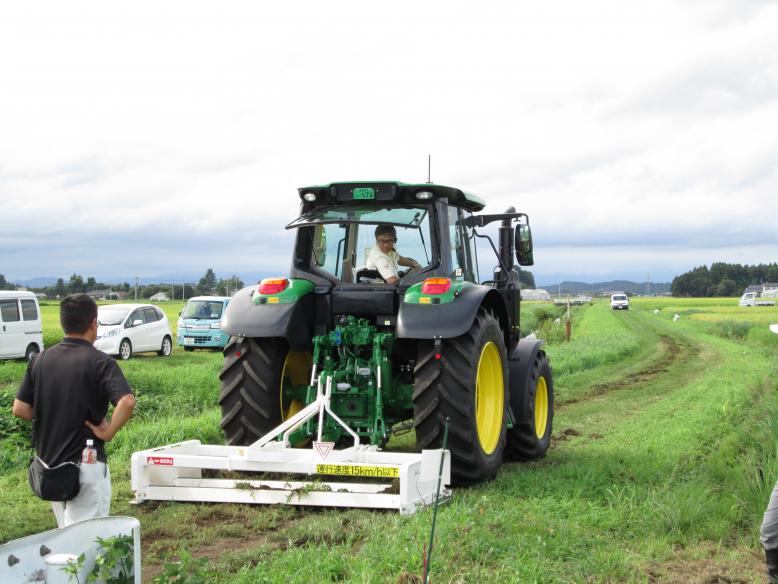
(385,191)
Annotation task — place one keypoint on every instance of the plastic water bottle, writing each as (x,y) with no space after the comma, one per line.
(89,454)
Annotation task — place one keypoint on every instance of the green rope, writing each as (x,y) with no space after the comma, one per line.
(435,507)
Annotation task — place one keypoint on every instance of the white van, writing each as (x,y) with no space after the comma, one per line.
(619,302)
(21,331)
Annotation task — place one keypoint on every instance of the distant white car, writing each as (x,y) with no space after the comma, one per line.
(619,302)
(125,329)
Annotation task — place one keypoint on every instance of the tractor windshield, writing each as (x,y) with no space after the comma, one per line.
(344,237)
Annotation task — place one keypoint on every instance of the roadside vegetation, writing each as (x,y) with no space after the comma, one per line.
(663,458)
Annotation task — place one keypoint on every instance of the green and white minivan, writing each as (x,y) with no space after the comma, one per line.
(199,324)
(21,330)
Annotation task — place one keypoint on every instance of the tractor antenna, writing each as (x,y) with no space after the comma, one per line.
(429,169)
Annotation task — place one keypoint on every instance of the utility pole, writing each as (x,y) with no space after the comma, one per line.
(136,287)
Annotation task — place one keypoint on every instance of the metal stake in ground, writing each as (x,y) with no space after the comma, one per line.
(435,507)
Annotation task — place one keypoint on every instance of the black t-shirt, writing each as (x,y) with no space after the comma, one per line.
(75,383)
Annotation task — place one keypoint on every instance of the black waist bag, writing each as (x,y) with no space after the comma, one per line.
(58,483)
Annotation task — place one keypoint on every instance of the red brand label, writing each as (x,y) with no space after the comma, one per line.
(160,460)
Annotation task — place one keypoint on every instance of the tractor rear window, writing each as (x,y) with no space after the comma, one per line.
(344,237)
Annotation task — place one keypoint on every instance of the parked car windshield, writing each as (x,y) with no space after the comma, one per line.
(620,297)
(203,309)
(111,315)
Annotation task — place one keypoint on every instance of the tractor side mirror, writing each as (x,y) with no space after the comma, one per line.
(523,245)
(320,246)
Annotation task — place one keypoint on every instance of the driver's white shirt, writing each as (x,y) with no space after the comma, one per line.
(387,264)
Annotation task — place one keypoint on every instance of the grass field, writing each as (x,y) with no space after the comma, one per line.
(663,458)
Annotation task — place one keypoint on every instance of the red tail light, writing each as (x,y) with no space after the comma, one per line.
(273,285)
(436,286)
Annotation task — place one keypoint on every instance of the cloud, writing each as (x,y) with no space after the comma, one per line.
(172,137)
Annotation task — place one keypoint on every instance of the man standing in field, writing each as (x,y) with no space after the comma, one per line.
(74,382)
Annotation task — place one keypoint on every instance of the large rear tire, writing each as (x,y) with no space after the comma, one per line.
(252,395)
(466,382)
(530,437)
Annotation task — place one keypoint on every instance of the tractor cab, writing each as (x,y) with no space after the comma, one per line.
(338,223)
(337,234)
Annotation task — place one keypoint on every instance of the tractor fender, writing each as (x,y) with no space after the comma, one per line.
(519,363)
(452,319)
(291,321)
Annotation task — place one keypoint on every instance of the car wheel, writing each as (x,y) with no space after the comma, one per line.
(167,347)
(32,350)
(125,349)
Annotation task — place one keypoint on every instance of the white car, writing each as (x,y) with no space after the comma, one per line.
(124,329)
(619,302)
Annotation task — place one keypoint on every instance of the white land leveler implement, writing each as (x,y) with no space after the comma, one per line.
(395,480)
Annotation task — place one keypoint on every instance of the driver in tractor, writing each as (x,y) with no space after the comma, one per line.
(384,257)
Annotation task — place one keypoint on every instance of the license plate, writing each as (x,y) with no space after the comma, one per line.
(188,341)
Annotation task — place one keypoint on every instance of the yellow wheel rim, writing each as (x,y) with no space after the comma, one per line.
(489,398)
(297,367)
(541,407)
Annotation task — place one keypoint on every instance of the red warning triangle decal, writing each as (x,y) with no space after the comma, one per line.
(323,449)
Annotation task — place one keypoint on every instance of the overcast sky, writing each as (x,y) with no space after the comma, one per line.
(153,138)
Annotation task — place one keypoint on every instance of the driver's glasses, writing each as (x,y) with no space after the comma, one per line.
(386,241)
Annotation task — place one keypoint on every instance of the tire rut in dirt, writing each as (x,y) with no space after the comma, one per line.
(445,387)
(673,352)
(250,388)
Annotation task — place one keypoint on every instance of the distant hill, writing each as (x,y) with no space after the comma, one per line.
(190,278)
(596,288)
(39,282)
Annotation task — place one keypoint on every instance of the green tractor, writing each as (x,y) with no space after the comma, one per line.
(438,344)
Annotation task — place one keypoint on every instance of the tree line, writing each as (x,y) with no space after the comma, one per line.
(209,284)
(722,279)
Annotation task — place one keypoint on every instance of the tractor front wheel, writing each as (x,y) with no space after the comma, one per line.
(464,380)
(253,381)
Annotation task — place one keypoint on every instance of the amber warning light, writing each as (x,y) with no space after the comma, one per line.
(436,286)
(273,285)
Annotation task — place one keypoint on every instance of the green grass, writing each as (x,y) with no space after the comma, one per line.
(663,459)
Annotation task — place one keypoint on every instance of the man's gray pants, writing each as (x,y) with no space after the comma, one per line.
(769,531)
(93,499)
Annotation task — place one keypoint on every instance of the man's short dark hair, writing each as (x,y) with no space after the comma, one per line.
(76,313)
(386,230)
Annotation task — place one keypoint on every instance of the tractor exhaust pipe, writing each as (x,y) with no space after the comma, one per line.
(506,241)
